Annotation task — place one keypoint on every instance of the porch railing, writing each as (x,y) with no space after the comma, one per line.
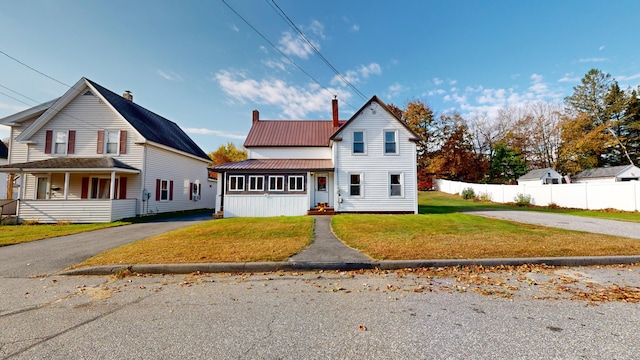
(8,208)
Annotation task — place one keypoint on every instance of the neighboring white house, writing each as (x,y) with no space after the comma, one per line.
(608,174)
(540,176)
(366,164)
(95,156)
(4,155)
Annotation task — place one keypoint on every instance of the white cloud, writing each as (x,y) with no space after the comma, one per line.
(224,134)
(316,28)
(263,49)
(569,77)
(453,82)
(357,75)
(274,64)
(169,75)
(601,47)
(395,90)
(355,27)
(593,59)
(436,92)
(294,45)
(627,78)
(437,81)
(234,27)
(538,86)
(294,101)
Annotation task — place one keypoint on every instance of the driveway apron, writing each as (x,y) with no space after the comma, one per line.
(326,247)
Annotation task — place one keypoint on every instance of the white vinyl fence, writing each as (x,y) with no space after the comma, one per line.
(592,196)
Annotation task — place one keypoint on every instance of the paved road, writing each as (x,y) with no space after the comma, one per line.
(593,225)
(53,255)
(320,315)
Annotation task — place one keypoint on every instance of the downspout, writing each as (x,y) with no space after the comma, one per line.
(144,180)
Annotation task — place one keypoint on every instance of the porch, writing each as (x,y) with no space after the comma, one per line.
(76,211)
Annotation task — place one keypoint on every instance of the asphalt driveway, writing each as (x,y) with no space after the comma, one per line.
(49,256)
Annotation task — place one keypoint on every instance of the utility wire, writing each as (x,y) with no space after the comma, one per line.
(38,71)
(16,99)
(290,22)
(15,92)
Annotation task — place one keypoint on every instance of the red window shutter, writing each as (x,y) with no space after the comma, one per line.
(47,141)
(171,190)
(123,141)
(84,192)
(71,143)
(190,191)
(100,147)
(123,188)
(158,184)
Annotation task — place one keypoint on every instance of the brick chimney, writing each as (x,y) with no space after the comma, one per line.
(128,95)
(256,116)
(334,106)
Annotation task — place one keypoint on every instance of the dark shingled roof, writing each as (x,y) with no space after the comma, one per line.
(151,125)
(276,164)
(72,163)
(610,171)
(290,133)
(4,151)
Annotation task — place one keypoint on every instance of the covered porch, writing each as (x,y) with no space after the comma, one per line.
(76,190)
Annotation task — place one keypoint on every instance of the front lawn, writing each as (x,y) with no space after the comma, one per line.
(15,234)
(223,240)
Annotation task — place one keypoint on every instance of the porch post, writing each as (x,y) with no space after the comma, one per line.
(112,185)
(66,185)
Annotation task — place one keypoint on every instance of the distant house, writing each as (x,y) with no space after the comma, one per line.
(95,156)
(608,174)
(540,177)
(4,155)
(366,164)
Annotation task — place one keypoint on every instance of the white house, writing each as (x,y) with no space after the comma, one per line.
(366,164)
(95,156)
(608,174)
(540,177)
(4,155)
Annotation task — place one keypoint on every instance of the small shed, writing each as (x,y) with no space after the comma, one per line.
(540,177)
(608,174)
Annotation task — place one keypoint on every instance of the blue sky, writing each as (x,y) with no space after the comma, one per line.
(200,65)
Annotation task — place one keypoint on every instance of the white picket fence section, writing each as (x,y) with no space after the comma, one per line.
(592,196)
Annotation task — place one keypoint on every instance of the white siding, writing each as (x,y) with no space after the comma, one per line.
(290,153)
(18,151)
(122,209)
(166,165)
(375,166)
(3,181)
(265,205)
(76,211)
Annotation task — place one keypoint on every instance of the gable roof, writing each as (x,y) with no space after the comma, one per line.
(4,151)
(151,126)
(384,107)
(611,171)
(28,113)
(536,174)
(290,133)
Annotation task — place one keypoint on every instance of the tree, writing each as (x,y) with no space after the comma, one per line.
(507,165)
(227,153)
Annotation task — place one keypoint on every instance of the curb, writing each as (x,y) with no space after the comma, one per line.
(249,267)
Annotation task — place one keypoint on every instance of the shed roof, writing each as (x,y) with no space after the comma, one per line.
(602,172)
(536,174)
(276,164)
(290,133)
(66,163)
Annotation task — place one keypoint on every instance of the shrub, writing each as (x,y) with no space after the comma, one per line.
(485,196)
(468,194)
(522,199)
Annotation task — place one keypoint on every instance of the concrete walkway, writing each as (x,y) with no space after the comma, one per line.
(326,248)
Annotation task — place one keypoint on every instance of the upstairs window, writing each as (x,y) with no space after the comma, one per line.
(112,142)
(111,139)
(59,142)
(358,142)
(60,138)
(390,142)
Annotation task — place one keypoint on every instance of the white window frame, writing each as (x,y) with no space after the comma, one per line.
(400,176)
(166,191)
(360,185)
(106,142)
(54,142)
(256,177)
(276,177)
(295,179)
(236,177)
(364,142)
(395,141)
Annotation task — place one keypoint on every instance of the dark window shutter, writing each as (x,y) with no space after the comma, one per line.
(171,190)
(200,191)
(158,189)
(71,142)
(123,141)
(100,147)
(123,188)
(84,192)
(190,191)
(47,142)
(115,190)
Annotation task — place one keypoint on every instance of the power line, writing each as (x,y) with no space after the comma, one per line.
(15,92)
(11,97)
(38,71)
(288,20)
(281,52)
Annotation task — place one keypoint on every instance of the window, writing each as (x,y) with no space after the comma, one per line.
(390,146)
(164,190)
(256,183)
(100,188)
(355,185)
(60,138)
(358,142)
(276,183)
(296,183)
(111,141)
(395,181)
(236,183)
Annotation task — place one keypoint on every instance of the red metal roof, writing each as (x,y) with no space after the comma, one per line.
(276,164)
(290,133)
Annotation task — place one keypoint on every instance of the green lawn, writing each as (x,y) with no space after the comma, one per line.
(15,234)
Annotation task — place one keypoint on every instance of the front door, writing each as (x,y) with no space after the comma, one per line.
(42,188)
(322,186)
